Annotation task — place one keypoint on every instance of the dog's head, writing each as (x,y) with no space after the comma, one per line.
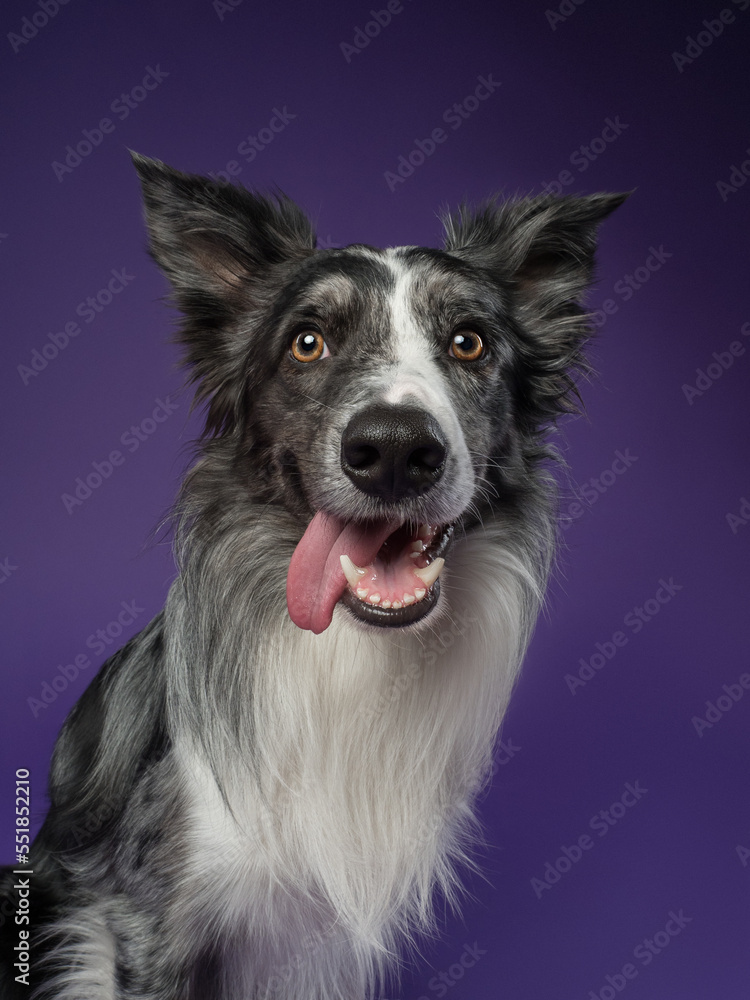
(388,399)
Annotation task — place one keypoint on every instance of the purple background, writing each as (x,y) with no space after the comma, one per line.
(664,517)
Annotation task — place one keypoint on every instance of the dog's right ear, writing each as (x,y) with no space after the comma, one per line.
(215,238)
(222,249)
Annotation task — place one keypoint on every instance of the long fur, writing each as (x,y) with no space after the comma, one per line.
(240,808)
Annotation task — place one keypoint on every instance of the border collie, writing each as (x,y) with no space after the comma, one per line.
(259,796)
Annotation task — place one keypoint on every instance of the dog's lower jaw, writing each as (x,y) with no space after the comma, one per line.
(380,617)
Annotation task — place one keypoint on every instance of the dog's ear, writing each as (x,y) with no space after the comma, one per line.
(542,249)
(212,237)
(222,248)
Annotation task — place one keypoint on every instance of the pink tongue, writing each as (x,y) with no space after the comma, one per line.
(315,580)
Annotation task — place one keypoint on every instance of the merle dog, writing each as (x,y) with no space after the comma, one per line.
(260,794)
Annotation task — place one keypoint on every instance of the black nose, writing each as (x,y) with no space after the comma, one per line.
(393,452)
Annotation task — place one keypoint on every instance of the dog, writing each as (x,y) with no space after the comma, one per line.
(261,793)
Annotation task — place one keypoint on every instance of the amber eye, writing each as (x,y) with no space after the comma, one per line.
(309,346)
(467,346)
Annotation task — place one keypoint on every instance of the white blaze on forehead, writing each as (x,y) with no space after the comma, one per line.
(414,373)
(414,376)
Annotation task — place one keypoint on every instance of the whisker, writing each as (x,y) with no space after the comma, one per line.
(314,400)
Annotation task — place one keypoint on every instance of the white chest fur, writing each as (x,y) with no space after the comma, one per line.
(368,748)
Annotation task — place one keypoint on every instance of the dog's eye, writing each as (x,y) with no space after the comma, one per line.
(467,346)
(309,346)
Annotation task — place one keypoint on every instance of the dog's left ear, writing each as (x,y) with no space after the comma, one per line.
(542,250)
(544,246)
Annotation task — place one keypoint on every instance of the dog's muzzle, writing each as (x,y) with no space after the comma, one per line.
(385,570)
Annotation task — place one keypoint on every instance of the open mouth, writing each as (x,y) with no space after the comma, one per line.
(402,584)
(387,573)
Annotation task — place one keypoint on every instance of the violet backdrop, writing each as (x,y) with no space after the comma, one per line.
(338,97)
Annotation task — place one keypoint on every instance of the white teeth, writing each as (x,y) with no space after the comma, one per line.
(385,604)
(374,598)
(417,546)
(351,572)
(362,593)
(419,593)
(424,531)
(409,598)
(396,605)
(414,555)
(430,573)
